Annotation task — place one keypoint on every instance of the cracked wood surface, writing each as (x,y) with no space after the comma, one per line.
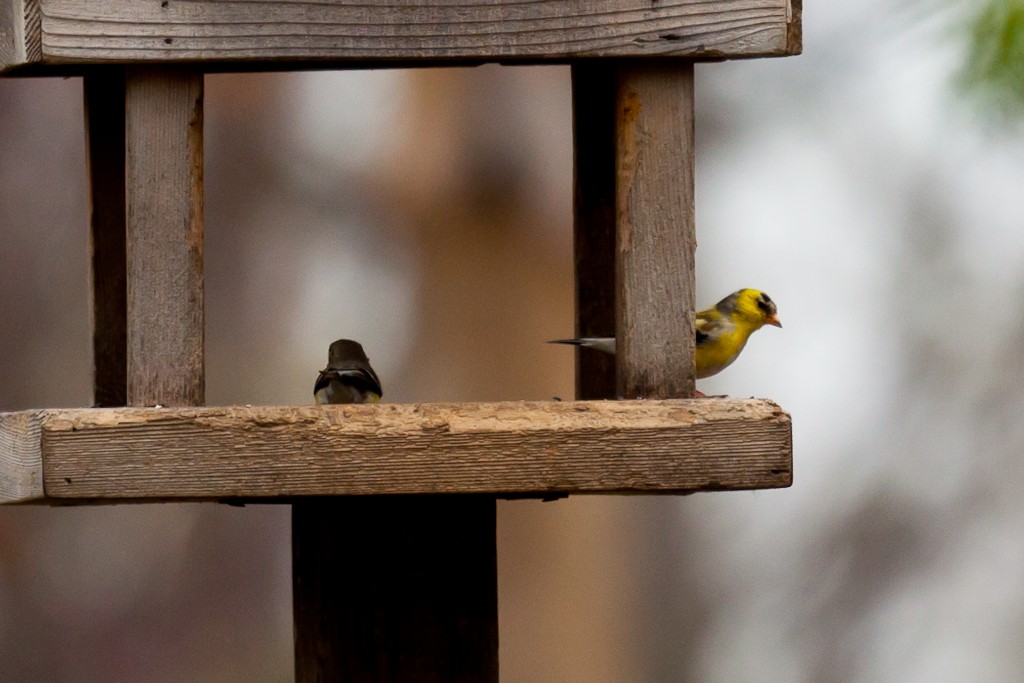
(99,455)
(46,33)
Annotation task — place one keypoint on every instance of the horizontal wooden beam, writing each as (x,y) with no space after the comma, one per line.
(47,33)
(107,455)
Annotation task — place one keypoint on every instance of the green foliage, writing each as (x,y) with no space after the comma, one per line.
(994,69)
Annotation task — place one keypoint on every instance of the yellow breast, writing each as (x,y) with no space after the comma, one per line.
(717,353)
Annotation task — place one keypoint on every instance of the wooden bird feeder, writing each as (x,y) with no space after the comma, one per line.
(394,556)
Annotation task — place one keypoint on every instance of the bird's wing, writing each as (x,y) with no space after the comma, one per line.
(710,326)
(360,378)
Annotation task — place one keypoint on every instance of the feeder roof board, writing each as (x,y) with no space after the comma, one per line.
(55,37)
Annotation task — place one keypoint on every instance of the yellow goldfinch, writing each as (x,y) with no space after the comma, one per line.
(348,377)
(722,331)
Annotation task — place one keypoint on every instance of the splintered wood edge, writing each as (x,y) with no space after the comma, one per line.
(515,449)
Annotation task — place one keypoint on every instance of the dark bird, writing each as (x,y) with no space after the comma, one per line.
(348,377)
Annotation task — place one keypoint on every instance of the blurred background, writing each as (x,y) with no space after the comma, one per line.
(873,186)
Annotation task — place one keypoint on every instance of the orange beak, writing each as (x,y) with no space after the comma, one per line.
(773,319)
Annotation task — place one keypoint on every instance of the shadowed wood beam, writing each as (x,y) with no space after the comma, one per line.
(396,588)
(655,230)
(593,127)
(105,150)
(513,448)
(127,31)
(164,197)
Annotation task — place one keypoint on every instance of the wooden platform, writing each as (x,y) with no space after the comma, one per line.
(111,455)
(41,36)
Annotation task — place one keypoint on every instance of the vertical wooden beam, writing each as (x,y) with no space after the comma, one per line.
(164,181)
(655,229)
(104,143)
(398,589)
(593,110)
(655,302)
(634,241)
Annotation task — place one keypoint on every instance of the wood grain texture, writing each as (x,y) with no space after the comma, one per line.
(396,588)
(513,448)
(20,34)
(164,198)
(33,29)
(127,31)
(105,155)
(593,126)
(656,240)
(21,467)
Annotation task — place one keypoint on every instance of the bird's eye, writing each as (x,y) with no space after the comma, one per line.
(764,303)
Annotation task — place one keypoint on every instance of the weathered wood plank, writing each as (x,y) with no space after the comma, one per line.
(396,588)
(164,197)
(209,30)
(655,230)
(21,465)
(593,129)
(105,155)
(12,33)
(489,448)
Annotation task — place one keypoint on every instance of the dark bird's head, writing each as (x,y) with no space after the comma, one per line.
(348,377)
(344,351)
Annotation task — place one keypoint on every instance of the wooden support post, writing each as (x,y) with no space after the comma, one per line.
(104,126)
(655,335)
(164,199)
(395,589)
(593,108)
(655,230)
